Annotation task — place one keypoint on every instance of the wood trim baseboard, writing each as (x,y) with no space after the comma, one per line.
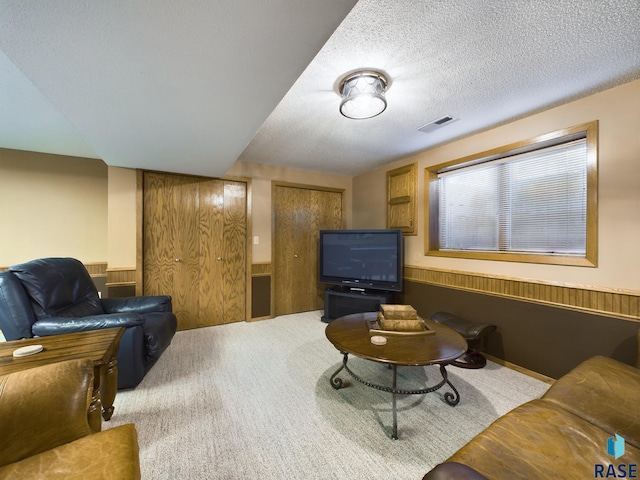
(623,304)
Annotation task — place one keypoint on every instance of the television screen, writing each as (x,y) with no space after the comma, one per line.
(362,259)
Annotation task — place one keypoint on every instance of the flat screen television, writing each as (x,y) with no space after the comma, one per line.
(361,259)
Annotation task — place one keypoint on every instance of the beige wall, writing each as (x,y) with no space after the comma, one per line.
(121,218)
(618,113)
(52,205)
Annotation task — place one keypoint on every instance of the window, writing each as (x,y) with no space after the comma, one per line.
(534,201)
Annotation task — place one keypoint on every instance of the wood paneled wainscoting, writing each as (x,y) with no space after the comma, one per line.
(543,327)
(121,282)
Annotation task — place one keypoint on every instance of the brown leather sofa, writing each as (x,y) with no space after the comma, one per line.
(563,435)
(45,433)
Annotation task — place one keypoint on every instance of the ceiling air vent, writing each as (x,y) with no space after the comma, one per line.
(437,124)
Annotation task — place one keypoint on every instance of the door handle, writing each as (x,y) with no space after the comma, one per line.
(177,259)
(219,258)
(295,256)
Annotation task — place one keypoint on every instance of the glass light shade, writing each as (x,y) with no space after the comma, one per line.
(363,95)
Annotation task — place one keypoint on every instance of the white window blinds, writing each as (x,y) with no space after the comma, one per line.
(534,202)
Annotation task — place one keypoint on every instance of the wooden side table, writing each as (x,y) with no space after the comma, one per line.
(100,346)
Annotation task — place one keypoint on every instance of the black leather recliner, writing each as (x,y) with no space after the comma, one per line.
(52,296)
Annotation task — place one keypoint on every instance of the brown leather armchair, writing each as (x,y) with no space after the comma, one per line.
(45,432)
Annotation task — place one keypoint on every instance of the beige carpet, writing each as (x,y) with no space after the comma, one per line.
(253,400)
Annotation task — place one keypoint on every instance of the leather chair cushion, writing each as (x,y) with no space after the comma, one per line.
(602,391)
(144,304)
(59,287)
(16,315)
(539,439)
(112,453)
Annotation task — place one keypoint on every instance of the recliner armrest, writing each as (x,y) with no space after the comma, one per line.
(60,325)
(144,304)
(43,407)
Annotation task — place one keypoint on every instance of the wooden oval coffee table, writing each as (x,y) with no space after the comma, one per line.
(350,335)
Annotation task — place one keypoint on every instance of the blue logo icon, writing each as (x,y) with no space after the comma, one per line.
(615,446)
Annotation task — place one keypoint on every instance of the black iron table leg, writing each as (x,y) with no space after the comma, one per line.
(337,382)
(450,398)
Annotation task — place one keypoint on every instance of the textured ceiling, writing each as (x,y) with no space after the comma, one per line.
(186,86)
(483,63)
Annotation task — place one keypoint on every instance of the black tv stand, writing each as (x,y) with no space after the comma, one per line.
(339,302)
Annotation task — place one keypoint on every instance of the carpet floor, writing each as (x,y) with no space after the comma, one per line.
(253,400)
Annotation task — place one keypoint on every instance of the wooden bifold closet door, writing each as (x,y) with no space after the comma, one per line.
(299,214)
(195,244)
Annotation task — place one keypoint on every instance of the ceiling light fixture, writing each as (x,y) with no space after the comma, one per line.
(363,94)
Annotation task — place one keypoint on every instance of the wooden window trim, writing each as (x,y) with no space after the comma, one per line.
(590,259)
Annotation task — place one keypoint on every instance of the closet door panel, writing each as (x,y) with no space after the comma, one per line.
(158,264)
(184,240)
(325,213)
(234,248)
(299,214)
(303,276)
(284,203)
(210,290)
